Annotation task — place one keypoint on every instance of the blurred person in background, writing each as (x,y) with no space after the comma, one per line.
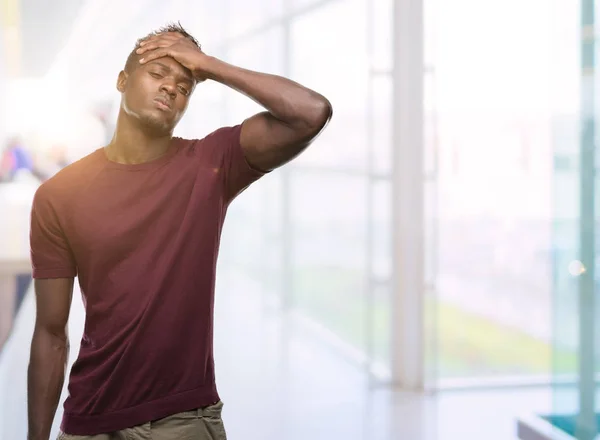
(139,222)
(15,158)
(19,163)
(7,165)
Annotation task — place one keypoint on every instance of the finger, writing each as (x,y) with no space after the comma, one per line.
(148,41)
(148,45)
(153,55)
(152,46)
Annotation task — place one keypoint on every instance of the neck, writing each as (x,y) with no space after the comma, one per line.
(131,144)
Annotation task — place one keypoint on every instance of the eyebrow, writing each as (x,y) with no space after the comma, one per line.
(183,74)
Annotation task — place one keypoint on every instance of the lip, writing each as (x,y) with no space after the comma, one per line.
(162,103)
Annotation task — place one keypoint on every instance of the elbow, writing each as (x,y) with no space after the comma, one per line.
(323,113)
(54,337)
(319,116)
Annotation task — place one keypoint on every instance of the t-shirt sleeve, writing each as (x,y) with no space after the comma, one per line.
(238,173)
(51,255)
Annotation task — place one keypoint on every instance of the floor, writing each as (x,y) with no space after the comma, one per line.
(311,393)
(273,376)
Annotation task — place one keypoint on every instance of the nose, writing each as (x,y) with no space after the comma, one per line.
(169,88)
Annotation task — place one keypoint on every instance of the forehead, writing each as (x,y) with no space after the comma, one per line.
(169,65)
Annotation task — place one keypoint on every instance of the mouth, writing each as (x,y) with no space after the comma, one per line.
(162,103)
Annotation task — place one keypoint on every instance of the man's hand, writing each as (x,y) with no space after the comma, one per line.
(178,47)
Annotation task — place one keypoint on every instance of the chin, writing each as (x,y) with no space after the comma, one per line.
(157,126)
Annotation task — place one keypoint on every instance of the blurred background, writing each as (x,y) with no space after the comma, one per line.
(426,270)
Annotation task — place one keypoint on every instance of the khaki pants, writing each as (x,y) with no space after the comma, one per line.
(201,424)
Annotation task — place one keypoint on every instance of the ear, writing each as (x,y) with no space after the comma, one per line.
(122,81)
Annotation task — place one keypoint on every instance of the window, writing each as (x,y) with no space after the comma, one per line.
(245,16)
(333,61)
(329,231)
(494,232)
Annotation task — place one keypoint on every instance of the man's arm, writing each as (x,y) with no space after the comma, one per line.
(295,114)
(49,354)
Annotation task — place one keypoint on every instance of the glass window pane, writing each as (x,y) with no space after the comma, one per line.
(272,251)
(205,112)
(381,28)
(576,307)
(431,127)
(381,135)
(494,184)
(381,332)
(251,243)
(333,61)
(207,19)
(431,232)
(431,27)
(382,230)
(329,217)
(381,266)
(254,219)
(243,238)
(263,53)
(576,332)
(297,5)
(248,15)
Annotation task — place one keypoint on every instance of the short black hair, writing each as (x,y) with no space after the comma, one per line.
(132,59)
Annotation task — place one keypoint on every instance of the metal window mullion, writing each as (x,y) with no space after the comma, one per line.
(408,196)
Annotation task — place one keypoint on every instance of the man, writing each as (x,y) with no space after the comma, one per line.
(139,223)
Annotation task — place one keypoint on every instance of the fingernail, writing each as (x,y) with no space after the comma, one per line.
(141,60)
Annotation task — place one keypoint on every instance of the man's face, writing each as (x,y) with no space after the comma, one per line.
(157,94)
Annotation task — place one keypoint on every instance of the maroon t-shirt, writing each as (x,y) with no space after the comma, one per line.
(143,240)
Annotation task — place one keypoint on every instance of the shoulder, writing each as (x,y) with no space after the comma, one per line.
(216,138)
(66,182)
(214,145)
(225,134)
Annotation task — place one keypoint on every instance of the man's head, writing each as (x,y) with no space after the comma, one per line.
(156,93)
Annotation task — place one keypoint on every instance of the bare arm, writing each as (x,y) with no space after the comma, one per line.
(49,354)
(295,115)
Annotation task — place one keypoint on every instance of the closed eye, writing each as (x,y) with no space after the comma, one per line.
(156,75)
(184,91)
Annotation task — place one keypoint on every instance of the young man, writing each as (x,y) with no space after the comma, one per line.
(139,223)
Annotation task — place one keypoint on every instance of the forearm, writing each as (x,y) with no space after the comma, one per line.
(46,374)
(285,99)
